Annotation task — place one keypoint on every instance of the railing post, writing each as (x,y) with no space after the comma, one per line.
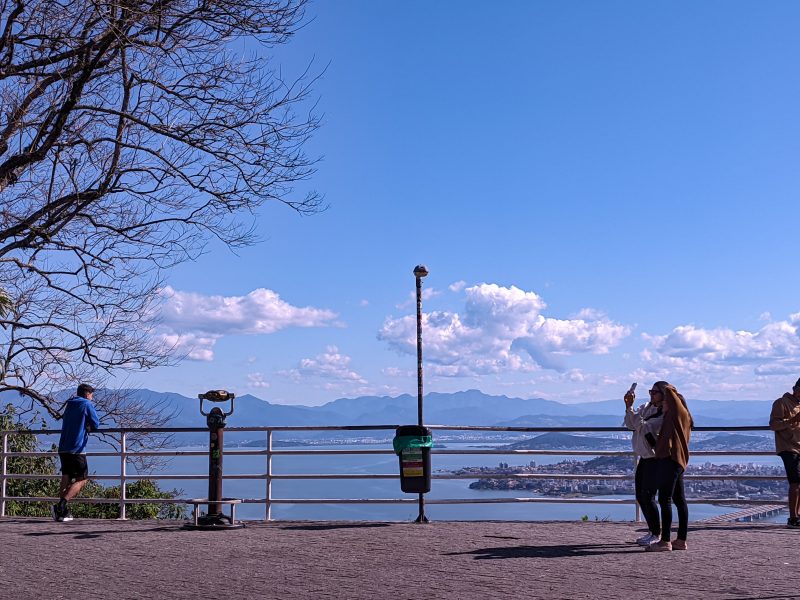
(3,474)
(123,473)
(637,510)
(268,504)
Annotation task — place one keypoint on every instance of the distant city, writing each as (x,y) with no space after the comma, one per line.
(751,489)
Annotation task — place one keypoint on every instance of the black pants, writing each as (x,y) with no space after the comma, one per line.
(646,484)
(670,489)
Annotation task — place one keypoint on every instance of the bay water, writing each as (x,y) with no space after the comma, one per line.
(387,464)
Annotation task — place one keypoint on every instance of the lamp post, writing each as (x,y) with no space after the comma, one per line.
(420,271)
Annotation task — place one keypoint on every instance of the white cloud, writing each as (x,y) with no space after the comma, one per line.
(256,380)
(457,286)
(330,364)
(501,329)
(190,345)
(192,323)
(396,372)
(725,346)
(427,294)
(772,350)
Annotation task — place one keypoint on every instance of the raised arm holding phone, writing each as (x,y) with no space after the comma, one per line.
(645,423)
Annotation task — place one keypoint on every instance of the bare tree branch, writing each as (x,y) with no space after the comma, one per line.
(131,134)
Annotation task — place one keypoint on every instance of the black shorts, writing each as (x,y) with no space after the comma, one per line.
(74,466)
(791,462)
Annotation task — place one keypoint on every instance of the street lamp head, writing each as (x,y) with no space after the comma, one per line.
(420,271)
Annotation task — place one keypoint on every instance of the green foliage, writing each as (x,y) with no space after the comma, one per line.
(47,465)
(585,518)
(27,442)
(144,488)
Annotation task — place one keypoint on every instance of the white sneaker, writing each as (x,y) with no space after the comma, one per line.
(648,539)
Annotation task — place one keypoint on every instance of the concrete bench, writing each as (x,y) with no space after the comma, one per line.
(196,502)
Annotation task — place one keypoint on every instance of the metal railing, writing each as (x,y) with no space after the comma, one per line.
(269,476)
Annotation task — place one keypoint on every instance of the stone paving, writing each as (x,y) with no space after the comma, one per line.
(91,559)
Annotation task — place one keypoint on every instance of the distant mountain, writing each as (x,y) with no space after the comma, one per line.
(735,441)
(591,420)
(566,441)
(470,407)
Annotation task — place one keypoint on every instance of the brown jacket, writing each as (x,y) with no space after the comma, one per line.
(673,441)
(787,435)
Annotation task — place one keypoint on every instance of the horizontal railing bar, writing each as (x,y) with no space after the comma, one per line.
(99,500)
(443,476)
(581,429)
(387,452)
(488,428)
(546,500)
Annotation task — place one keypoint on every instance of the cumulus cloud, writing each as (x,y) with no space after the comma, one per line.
(256,380)
(330,364)
(501,329)
(397,372)
(192,323)
(427,294)
(457,286)
(726,346)
(774,349)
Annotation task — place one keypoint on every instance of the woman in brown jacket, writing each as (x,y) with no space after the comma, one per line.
(672,454)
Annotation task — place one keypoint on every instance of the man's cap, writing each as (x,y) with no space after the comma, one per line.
(84,389)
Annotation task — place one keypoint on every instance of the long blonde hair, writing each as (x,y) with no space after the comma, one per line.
(667,388)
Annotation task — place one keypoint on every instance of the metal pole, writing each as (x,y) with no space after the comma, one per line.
(215,471)
(3,474)
(269,476)
(419,349)
(420,271)
(123,474)
(638,514)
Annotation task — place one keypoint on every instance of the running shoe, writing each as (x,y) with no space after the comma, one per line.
(659,547)
(648,539)
(67,515)
(56,512)
(793,523)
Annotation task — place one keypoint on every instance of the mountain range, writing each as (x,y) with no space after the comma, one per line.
(470,407)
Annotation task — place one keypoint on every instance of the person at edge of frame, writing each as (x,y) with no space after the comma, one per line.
(645,423)
(784,420)
(78,420)
(672,454)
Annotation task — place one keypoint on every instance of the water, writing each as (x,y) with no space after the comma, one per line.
(390,488)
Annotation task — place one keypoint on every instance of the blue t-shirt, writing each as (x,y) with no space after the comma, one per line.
(79,415)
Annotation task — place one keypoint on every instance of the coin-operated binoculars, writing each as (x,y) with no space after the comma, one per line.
(215,419)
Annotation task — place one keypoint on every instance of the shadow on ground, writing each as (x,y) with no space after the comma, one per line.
(325,526)
(560,551)
(88,535)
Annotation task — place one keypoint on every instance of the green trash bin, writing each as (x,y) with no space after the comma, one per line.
(412,444)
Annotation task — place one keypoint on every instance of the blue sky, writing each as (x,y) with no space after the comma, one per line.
(603,192)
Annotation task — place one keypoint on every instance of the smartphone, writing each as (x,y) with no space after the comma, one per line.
(633,388)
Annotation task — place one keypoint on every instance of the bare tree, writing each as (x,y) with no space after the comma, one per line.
(131,134)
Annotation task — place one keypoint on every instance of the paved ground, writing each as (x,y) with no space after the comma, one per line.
(113,559)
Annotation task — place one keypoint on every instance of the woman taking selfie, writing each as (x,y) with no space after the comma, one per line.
(672,454)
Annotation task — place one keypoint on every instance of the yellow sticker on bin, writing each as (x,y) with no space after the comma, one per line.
(412,472)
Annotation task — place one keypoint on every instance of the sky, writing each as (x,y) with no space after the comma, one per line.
(603,193)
